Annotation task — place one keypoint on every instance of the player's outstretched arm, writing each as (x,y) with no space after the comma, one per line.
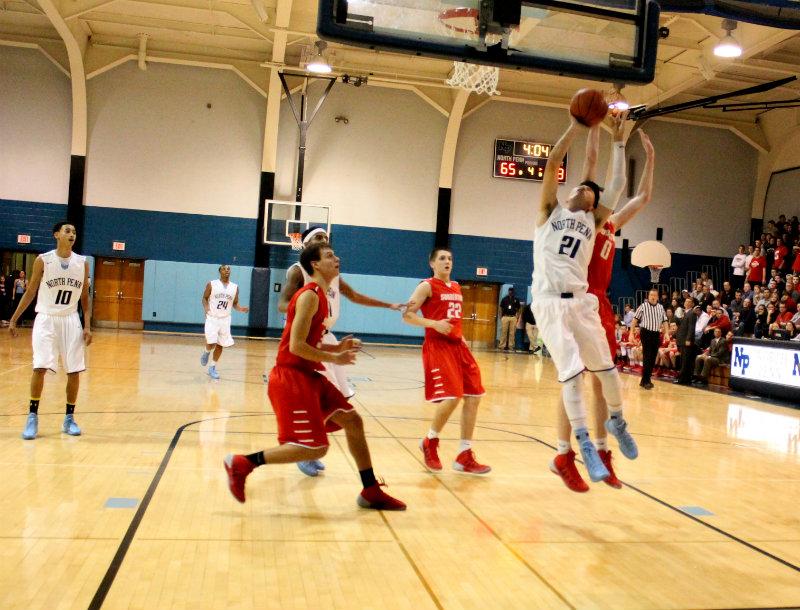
(592,153)
(645,191)
(293,283)
(206,296)
(549,197)
(616,178)
(305,308)
(236,305)
(421,294)
(362,299)
(86,306)
(29,296)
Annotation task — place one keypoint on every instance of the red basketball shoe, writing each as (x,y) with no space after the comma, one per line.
(430,449)
(237,467)
(466,462)
(564,466)
(374,497)
(612,480)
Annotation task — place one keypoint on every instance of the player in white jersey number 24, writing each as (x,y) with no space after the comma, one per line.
(220,298)
(61,280)
(568,318)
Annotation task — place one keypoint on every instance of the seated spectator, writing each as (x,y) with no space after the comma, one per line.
(736,302)
(725,295)
(627,317)
(621,334)
(784,315)
(747,292)
(702,321)
(632,343)
(670,315)
(706,281)
(677,309)
(791,305)
(794,331)
(706,298)
(716,354)
(747,320)
(780,255)
(760,328)
(792,289)
(668,351)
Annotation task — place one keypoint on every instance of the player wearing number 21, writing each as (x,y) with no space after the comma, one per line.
(451,373)
(61,279)
(567,315)
(220,298)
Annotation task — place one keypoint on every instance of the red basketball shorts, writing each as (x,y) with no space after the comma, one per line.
(609,322)
(304,403)
(450,371)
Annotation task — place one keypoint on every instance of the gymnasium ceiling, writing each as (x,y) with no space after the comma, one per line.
(231,35)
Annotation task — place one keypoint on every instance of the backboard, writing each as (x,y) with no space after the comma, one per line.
(611,40)
(285,217)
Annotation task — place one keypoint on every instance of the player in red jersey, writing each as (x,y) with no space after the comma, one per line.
(306,404)
(599,277)
(451,373)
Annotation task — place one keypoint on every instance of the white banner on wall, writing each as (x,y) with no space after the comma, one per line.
(766,363)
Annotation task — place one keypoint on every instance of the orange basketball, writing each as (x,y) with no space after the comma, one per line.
(589,107)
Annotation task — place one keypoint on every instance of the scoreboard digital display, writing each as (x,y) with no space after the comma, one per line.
(524,160)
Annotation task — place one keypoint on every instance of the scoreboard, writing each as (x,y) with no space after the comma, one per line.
(524,160)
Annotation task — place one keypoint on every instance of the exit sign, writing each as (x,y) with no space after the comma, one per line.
(23,239)
(118,245)
(482,271)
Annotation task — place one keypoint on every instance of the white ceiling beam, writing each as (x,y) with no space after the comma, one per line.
(8,42)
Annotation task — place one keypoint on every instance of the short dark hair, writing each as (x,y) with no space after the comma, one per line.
(436,251)
(312,254)
(222,265)
(595,188)
(58,225)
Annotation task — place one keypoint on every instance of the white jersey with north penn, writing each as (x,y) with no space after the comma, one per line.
(562,249)
(220,302)
(334,297)
(62,284)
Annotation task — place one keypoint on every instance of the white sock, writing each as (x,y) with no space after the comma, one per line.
(212,363)
(465,445)
(432,434)
(601,444)
(563,447)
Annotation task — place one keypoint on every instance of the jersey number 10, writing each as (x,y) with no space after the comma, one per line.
(63,297)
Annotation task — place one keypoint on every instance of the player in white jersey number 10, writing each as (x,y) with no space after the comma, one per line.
(566,313)
(61,279)
(220,298)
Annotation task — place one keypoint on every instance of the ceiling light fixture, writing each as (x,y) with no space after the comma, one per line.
(319,62)
(727,46)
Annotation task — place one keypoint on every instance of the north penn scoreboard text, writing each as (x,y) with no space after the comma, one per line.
(524,160)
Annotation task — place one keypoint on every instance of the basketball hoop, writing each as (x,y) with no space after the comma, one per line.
(462,22)
(655,273)
(297,241)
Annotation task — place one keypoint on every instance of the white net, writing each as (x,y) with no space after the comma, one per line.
(297,240)
(655,273)
(479,79)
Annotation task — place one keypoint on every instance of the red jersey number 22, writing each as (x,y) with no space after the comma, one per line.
(453,310)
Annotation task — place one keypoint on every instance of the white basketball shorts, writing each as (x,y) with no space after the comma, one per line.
(334,373)
(573,334)
(218,330)
(55,336)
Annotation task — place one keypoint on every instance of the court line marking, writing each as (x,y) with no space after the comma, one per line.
(673,508)
(113,569)
(488,528)
(399,542)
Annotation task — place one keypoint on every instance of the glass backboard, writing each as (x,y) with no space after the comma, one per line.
(611,40)
(286,217)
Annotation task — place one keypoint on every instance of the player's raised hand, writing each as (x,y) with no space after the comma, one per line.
(345,357)
(442,326)
(349,343)
(87,336)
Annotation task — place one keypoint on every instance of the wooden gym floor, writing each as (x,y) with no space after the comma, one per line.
(136,512)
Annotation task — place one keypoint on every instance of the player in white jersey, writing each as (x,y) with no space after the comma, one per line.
(296,278)
(220,298)
(567,315)
(61,279)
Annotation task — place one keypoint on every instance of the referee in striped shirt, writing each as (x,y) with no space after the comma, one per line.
(651,318)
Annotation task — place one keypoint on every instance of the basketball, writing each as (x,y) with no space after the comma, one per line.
(589,107)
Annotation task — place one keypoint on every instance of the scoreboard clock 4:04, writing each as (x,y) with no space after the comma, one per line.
(524,160)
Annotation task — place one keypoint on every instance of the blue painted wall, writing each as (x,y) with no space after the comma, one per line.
(29,218)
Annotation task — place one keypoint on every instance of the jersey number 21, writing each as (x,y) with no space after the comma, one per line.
(569,246)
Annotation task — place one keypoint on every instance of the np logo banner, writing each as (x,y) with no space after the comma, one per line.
(766,363)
